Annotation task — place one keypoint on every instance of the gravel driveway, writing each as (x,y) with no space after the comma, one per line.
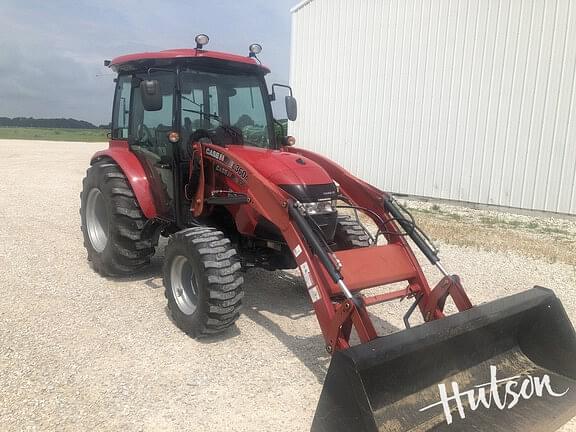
(80,352)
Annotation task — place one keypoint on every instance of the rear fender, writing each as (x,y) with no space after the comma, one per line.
(120,153)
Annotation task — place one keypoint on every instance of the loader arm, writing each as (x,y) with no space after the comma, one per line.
(362,194)
(358,269)
(272,202)
(393,383)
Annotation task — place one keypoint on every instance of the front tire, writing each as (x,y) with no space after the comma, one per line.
(350,234)
(112,222)
(202,280)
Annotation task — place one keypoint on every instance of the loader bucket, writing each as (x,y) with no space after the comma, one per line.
(508,365)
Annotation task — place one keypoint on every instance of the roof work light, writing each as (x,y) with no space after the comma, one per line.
(255,49)
(201,40)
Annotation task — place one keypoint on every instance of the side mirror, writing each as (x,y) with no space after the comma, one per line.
(291,108)
(151,95)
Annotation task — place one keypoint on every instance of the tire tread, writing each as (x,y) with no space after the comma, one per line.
(222,276)
(128,250)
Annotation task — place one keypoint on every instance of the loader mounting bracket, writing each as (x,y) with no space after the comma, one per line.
(340,324)
(448,285)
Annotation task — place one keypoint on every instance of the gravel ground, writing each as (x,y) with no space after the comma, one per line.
(552,239)
(81,352)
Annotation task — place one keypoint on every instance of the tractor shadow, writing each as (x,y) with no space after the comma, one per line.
(230,333)
(277,301)
(151,275)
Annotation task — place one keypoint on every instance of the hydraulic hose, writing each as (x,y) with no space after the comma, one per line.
(410,229)
(318,250)
(314,242)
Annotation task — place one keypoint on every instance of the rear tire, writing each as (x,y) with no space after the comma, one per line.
(112,222)
(350,234)
(203,281)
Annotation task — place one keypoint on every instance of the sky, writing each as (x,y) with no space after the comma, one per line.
(52,52)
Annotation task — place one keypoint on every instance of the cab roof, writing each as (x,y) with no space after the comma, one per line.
(134,61)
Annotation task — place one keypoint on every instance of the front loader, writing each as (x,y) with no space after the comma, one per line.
(195,155)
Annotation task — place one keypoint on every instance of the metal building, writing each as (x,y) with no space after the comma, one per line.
(467,100)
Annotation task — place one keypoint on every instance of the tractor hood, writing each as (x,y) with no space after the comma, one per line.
(299,176)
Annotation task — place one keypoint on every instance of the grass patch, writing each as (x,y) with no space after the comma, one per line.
(54,134)
(514,223)
(435,209)
(501,232)
(553,230)
(517,224)
(488,221)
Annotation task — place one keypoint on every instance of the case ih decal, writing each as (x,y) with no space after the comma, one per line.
(230,169)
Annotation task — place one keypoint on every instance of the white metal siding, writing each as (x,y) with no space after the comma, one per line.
(471,100)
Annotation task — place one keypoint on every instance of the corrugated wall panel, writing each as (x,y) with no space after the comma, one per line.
(471,100)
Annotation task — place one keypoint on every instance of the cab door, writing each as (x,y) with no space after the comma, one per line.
(148,139)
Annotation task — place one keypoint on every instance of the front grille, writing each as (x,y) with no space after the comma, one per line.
(311,193)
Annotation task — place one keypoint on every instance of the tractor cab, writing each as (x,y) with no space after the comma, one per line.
(167,101)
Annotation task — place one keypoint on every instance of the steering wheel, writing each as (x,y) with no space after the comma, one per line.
(143,134)
(200,134)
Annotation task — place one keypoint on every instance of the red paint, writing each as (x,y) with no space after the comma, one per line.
(184,53)
(120,153)
(198,203)
(387,263)
(258,173)
(448,286)
(276,167)
(386,297)
(246,219)
(256,184)
(282,168)
(362,268)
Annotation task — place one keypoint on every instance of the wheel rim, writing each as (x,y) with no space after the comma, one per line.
(97,223)
(183,284)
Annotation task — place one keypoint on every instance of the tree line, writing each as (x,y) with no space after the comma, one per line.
(49,123)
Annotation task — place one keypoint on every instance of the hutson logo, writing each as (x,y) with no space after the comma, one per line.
(503,393)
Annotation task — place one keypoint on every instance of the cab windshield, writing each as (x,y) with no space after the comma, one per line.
(230,108)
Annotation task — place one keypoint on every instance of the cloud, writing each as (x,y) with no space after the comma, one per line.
(51,53)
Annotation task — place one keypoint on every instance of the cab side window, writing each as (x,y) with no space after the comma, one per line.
(121,115)
(150,129)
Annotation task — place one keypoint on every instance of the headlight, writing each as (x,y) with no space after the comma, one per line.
(318,207)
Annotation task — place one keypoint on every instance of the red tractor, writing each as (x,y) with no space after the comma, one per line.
(196,155)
